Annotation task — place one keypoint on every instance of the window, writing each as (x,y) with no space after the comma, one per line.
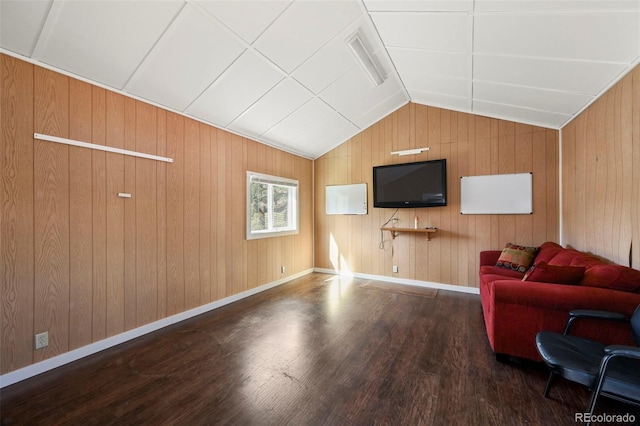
(272,206)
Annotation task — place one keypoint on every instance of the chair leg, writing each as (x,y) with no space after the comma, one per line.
(599,382)
(548,387)
(594,398)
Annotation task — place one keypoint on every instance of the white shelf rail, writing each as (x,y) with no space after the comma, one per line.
(81,144)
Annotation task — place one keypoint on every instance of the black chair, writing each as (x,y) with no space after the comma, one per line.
(612,371)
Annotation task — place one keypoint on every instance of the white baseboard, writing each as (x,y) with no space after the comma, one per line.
(76,354)
(418,283)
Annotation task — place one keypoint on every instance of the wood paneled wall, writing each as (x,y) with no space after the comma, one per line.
(84,264)
(472,145)
(601,175)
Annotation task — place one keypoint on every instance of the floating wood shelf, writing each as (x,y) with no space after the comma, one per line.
(426,231)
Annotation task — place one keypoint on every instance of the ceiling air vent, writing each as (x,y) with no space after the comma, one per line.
(365,59)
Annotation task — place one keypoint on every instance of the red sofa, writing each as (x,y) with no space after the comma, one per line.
(516,310)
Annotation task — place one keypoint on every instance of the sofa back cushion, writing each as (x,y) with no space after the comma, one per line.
(556,274)
(547,251)
(616,277)
(571,257)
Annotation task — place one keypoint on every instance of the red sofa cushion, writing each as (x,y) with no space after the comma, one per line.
(547,251)
(555,274)
(494,270)
(615,277)
(573,257)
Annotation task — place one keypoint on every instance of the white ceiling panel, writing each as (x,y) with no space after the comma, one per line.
(556,74)
(611,36)
(458,87)
(276,105)
(419,5)
(20,24)
(192,53)
(281,72)
(440,100)
(431,63)
(555,5)
(242,84)
(247,18)
(303,29)
(541,99)
(384,108)
(298,122)
(520,114)
(102,41)
(354,93)
(325,67)
(425,30)
(325,135)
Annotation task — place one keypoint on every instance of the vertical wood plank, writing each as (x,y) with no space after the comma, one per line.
(235,211)
(221,228)
(623,244)
(215,232)
(99,207)
(115,164)
(241,226)
(568,182)
(130,249)
(51,208)
(17,211)
(81,216)
(230,285)
(553,185)
(540,186)
(523,226)
(191,214)
(146,217)
(205,215)
(175,214)
(161,213)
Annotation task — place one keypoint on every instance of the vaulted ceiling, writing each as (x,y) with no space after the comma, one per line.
(281,71)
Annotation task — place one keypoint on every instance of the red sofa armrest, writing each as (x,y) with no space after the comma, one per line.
(489,257)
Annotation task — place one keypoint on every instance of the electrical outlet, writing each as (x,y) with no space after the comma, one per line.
(395,269)
(282,269)
(42,340)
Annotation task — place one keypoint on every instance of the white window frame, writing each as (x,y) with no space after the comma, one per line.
(294,211)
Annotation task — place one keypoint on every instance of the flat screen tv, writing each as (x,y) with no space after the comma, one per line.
(420,184)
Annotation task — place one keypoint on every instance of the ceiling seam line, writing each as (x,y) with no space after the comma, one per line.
(153,47)
(215,80)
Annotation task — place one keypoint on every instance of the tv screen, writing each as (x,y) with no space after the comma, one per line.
(421,184)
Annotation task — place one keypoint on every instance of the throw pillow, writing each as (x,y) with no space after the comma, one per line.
(555,274)
(517,258)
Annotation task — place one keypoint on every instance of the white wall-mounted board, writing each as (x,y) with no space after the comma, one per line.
(346,199)
(497,194)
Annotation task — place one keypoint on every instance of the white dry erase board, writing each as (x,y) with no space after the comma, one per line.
(346,199)
(497,194)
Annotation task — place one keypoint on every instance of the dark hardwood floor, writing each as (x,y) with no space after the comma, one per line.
(320,350)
